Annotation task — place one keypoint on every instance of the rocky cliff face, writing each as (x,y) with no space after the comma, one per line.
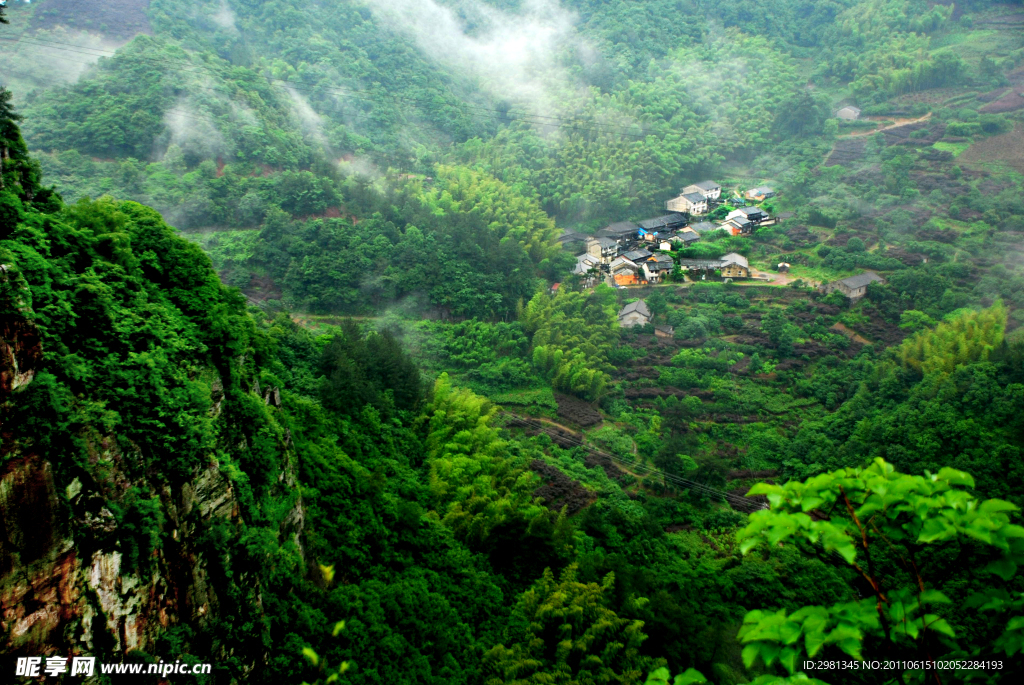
(64,585)
(63,591)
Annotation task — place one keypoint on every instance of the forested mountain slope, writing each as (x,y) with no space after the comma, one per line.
(186,477)
(220,113)
(188,480)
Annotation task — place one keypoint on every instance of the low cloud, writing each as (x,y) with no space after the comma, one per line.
(51,58)
(193,133)
(225,18)
(512,56)
(309,121)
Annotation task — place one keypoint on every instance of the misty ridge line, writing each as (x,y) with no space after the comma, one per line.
(346,90)
(569,124)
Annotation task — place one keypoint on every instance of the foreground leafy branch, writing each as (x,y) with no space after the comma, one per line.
(882,525)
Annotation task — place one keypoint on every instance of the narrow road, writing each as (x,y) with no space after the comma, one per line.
(899,122)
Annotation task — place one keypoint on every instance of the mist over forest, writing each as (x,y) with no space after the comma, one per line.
(512,342)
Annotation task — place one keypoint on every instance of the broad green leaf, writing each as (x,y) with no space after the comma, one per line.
(748,544)
(993,506)
(770,652)
(851,646)
(311,655)
(934,597)
(750,653)
(936,529)
(814,641)
(691,677)
(939,625)
(789,632)
(658,677)
(954,477)
(338,627)
(788,659)
(1004,568)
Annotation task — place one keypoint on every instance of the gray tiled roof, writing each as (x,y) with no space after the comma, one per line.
(694,197)
(662,221)
(861,280)
(734,258)
(619,228)
(707,185)
(704,227)
(639,306)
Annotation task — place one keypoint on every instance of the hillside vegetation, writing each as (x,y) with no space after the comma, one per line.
(295,378)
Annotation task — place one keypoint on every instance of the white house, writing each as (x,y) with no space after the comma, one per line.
(635,314)
(709,189)
(855,287)
(760,193)
(584,263)
(735,266)
(603,249)
(654,271)
(753,214)
(691,203)
(849,113)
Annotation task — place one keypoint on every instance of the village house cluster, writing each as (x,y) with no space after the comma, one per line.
(627,253)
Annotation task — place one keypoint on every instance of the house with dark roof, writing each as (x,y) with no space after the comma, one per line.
(655,269)
(570,240)
(709,189)
(635,314)
(638,255)
(687,237)
(666,222)
(760,193)
(690,203)
(738,226)
(703,227)
(855,287)
(619,231)
(754,214)
(664,331)
(602,248)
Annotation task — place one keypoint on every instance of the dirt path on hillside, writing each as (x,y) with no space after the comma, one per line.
(897,124)
(851,334)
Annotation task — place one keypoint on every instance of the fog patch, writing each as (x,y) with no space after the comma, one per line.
(360,167)
(309,121)
(514,57)
(225,18)
(193,133)
(53,58)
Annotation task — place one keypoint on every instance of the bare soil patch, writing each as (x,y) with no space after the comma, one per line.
(559,490)
(846,151)
(1007,148)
